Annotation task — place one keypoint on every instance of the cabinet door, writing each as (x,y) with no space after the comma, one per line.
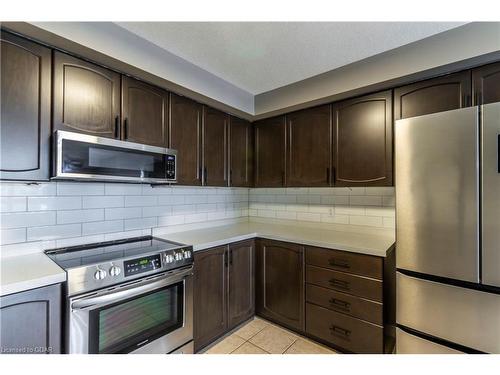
(214,147)
(86,97)
(270,144)
(363,141)
(309,147)
(240,153)
(25,109)
(240,282)
(280,283)
(210,295)
(144,112)
(434,95)
(31,321)
(486,84)
(185,137)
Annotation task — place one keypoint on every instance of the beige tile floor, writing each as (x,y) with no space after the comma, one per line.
(259,336)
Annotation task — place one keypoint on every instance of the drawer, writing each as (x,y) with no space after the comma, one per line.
(345,303)
(358,264)
(344,331)
(344,282)
(407,343)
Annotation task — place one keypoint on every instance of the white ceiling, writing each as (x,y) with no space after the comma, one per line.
(261,56)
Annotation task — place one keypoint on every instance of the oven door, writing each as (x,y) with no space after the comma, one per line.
(152,315)
(86,157)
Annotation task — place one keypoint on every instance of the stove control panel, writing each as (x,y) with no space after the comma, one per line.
(140,265)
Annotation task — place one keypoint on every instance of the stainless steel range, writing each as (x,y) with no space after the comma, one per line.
(128,296)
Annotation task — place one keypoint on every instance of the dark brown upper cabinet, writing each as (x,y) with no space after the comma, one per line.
(486,84)
(363,140)
(185,137)
(214,150)
(444,93)
(240,153)
(309,153)
(210,295)
(279,283)
(241,280)
(25,109)
(86,97)
(270,145)
(144,113)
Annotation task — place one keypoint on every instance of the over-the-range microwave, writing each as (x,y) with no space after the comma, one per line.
(86,157)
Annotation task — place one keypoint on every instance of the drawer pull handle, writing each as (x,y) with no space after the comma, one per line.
(338,263)
(334,330)
(339,283)
(346,306)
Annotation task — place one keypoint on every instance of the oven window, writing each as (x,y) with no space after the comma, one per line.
(129,324)
(96,159)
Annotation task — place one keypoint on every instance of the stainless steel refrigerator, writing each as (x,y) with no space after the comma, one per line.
(448,231)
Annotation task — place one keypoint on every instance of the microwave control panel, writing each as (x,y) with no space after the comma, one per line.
(140,265)
(170,167)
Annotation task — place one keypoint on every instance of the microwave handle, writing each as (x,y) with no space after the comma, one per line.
(134,290)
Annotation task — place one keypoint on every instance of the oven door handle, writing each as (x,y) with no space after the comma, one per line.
(127,292)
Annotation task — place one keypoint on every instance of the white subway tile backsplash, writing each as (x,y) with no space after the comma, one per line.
(80,216)
(8,236)
(141,200)
(54,203)
(98,227)
(123,212)
(12,204)
(80,188)
(71,213)
(27,219)
(53,232)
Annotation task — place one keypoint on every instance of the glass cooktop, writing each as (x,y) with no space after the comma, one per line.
(83,255)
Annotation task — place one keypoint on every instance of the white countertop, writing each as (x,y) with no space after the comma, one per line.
(364,242)
(24,272)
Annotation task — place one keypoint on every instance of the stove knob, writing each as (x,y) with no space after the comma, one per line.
(115,271)
(187,254)
(178,256)
(169,258)
(99,274)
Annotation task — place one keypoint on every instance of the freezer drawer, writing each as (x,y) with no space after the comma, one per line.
(407,343)
(437,194)
(464,316)
(491,193)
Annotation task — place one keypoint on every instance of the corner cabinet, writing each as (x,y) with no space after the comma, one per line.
(363,141)
(223,290)
(270,142)
(309,147)
(31,321)
(185,137)
(486,84)
(25,110)
(444,93)
(279,280)
(215,147)
(86,97)
(240,152)
(144,113)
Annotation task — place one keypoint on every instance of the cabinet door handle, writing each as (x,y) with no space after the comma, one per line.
(230,177)
(117,127)
(339,263)
(339,283)
(336,330)
(225,259)
(125,128)
(328,176)
(205,175)
(230,257)
(334,175)
(337,303)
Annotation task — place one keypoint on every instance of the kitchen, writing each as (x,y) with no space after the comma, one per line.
(142,214)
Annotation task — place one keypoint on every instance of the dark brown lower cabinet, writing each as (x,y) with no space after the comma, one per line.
(31,321)
(223,290)
(486,84)
(279,283)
